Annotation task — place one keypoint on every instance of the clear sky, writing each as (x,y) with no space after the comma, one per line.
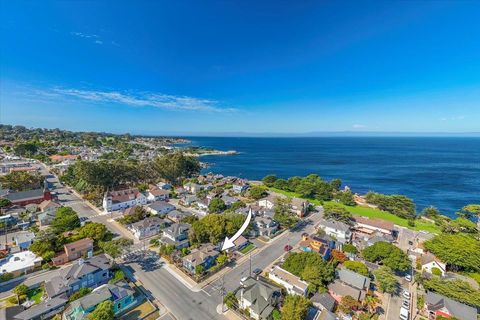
(241,66)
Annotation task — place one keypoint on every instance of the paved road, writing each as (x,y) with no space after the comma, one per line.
(183,303)
(269,254)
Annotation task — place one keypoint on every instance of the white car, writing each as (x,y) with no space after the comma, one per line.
(243,280)
(404,313)
(406,295)
(408,277)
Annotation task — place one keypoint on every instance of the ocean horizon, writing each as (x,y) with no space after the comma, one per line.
(434,171)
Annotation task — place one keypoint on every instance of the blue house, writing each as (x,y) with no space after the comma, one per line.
(204,256)
(120,294)
(89,273)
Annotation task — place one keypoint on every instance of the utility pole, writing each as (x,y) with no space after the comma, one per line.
(222,292)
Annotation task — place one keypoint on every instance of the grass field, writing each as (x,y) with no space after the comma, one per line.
(373,213)
(247,248)
(35,294)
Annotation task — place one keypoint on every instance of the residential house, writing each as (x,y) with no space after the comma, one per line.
(23,239)
(299,206)
(193,187)
(177,215)
(438,305)
(292,283)
(240,185)
(160,208)
(229,200)
(60,158)
(337,229)
(240,243)
(48,209)
(164,186)
(155,193)
(74,250)
(429,262)
(20,263)
(188,200)
(204,256)
(314,243)
(370,226)
(44,310)
(268,202)
(90,273)
(362,240)
(122,199)
(263,226)
(203,205)
(176,234)
(349,283)
(120,293)
(323,301)
(147,227)
(23,198)
(260,298)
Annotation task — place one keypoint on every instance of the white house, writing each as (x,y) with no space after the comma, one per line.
(370,226)
(339,230)
(156,194)
(160,207)
(429,261)
(147,227)
(203,205)
(122,199)
(267,202)
(292,283)
(20,263)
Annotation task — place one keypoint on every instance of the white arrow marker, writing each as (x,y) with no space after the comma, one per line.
(228,243)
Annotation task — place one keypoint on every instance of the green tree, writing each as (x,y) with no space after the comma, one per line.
(20,290)
(295,307)
(310,266)
(65,219)
(174,167)
(396,204)
(459,251)
(80,293)
(199,269)
(388,254)
(430,212)
(95,231)
(281,184)
(217,205)
(282,213)
(335,211)
(115,248)
(357,266)
(455,289)
(269,180)
(348,305)
(385,280)
(469,211)
(103,311)
(349,248)
(21,180)
(4,202)
(257,192)
(345,197)
(460,225)
(230,300)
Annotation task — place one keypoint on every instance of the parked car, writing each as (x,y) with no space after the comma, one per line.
(287,248)
(257,271)
(243,280)
(406,294)
(404,313)
(406,304)
(408,277)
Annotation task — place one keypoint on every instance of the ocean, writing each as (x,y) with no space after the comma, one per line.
(439,171)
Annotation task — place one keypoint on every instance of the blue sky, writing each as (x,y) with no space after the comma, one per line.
(241,66)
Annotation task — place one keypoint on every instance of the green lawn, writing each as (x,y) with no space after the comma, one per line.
(35,294)
(247,248)
(374,213)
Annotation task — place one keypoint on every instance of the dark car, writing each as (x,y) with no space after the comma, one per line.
(287,248)
(257,271)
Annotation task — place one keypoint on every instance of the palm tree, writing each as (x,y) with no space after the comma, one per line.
(371,302)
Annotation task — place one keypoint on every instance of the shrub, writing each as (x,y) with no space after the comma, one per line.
(436,271)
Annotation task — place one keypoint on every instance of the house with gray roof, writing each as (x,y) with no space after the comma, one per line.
(438,305)
(160,208)
(260,298)
(176,234)
(43,310)
(147,227)
(349,283)
(89,273)
(337,229)
(177,215)
(323,301)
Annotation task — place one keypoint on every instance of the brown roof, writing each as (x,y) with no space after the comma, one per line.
(124,195)
(57,157)
(48,204)
(79,244)
(158,192)
(377,223)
